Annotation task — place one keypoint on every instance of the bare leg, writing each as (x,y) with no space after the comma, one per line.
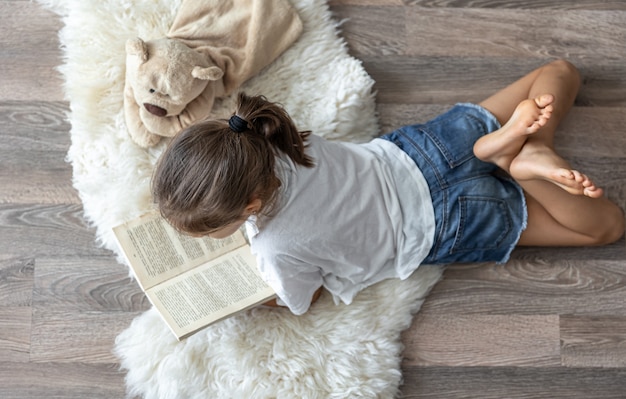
(564,206)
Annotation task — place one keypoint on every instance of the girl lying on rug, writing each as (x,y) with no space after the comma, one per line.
(468,186)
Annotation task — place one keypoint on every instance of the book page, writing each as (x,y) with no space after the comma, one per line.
(210,292)
(156,251)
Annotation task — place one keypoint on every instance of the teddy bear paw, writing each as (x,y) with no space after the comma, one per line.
(147,140)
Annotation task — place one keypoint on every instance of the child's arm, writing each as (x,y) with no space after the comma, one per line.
(316,296)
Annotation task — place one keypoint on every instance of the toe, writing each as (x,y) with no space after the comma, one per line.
(567,174)
(588,184)
(544,100)
(579,177)
(594,192)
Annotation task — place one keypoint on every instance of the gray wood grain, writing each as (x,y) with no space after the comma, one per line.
(34,140)
(58,229)
(513,383)
(30,52)
(537,287)
(593,341)
(61,380)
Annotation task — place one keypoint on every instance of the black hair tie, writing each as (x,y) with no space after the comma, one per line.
(237,124)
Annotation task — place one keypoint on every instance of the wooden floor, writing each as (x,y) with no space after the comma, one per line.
(549,324)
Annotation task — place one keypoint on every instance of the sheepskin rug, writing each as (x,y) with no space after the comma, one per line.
(332,351)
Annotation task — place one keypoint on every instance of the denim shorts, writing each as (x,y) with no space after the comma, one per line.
(480,212)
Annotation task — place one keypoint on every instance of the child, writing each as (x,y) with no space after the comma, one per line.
(467,186)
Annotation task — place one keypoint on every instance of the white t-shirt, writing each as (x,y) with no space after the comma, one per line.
(362,214)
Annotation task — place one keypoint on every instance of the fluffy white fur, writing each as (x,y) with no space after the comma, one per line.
(332,351)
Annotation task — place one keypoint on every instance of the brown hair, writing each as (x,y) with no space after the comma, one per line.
(209,172)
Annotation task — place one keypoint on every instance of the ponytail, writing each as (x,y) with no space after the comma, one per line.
(213,169)
(272,122)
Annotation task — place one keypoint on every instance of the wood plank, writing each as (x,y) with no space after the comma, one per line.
(495,37)
(587,255)
(15,333)
(476,32)
(46,230)
(60,380)
(90,284)
(16,290)
(335,3)
(593,341)
(30,53)
(364,34)
(80,304)
(448,79)
(34,126)
(393,116)
(75,336)
(526,287)
(17,276)
(482,340)
(33,147)
(512,383)
(27,186)
(604,124)
(545,5)
(499,33)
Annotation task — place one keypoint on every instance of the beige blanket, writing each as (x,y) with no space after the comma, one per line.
(241,36)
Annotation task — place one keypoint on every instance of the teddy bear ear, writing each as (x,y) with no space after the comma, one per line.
(208,73)
(137,47)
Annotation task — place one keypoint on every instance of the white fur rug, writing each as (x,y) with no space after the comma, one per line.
(332,351)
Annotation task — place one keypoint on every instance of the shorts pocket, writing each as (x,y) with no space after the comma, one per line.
(483,223)
(455,136)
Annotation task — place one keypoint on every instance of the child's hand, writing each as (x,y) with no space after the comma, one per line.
(273,304)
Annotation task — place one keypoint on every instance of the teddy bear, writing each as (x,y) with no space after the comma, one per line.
(168,86)
(210,50)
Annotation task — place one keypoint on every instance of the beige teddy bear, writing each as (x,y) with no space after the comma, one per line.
(211,49)
(168,86)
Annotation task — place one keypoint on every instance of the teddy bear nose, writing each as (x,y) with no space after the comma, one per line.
(155,110)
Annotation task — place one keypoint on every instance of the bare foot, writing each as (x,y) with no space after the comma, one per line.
(503,145)
(539,162)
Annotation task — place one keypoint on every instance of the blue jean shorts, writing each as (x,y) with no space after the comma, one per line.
(480,212)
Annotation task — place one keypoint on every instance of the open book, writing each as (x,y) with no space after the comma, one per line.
(192,282)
